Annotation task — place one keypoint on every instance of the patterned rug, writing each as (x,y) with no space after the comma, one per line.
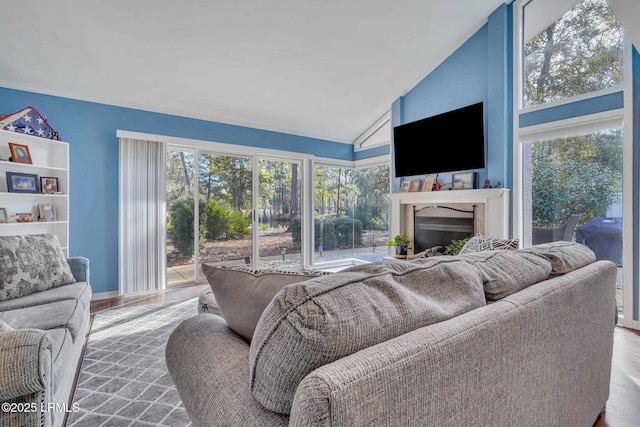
(124,379)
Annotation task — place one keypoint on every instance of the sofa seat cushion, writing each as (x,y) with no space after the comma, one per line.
(315,322)
(242,294)
(75,291)
(564,256)
(506,272)
(32,263)
(68,314)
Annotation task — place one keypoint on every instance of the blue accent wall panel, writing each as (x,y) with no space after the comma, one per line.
(459,81)
(574,109)
(372,152)
(90,128)
(479,71)
(500,97)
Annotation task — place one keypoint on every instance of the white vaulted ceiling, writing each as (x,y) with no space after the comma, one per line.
(326,69)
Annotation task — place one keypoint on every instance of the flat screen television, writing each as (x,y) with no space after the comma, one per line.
(447,142)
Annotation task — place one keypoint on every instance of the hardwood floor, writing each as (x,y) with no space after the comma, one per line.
(177,293)
(623,406)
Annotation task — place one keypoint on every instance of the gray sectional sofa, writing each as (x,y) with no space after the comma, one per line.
(42,329)
(498,338)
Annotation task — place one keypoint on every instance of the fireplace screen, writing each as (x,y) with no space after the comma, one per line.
(439,225)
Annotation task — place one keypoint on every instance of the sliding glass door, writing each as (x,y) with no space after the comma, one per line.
(221,226)
(351,214)
(180,173)
(279,214)
(573,191)
(225,200)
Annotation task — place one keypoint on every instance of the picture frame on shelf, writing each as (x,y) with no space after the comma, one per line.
(24,217)
(427,184)
(18,182)
(49,185)
(463,181)
(405,187)
(20,153)
(3,215)
(47,212)
(414,185)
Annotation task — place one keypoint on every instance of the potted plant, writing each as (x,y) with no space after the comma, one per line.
(455,246)
(401,243)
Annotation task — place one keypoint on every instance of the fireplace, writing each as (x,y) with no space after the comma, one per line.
(439,225)
(490,208)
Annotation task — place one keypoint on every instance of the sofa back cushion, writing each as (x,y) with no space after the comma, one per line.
(564,256)
(505,272)
(242,294)
(312,323)
(31,263)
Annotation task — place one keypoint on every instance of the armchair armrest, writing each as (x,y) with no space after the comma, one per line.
(209,364)
(80,268)
(25,363)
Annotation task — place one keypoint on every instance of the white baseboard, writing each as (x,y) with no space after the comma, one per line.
(104,295)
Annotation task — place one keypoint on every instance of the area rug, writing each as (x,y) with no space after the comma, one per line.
(124,379)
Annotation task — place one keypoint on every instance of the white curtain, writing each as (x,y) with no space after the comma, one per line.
(628,12)
(141,219)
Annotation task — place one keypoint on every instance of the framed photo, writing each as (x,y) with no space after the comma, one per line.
(3,215)
(405,186)
(20,153)
(463,181)
(427,184)
(414,185)
(48,184)
(22,182)
(47,212)
(24,217)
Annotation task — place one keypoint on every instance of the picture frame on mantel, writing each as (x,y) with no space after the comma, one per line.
(405,187)
(414,185)
(427,184)
(463,181)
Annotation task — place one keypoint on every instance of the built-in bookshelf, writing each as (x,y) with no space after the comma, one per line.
(50,159)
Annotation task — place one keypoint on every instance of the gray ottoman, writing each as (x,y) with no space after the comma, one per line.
(206,302)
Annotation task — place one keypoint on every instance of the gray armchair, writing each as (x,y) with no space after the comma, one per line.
(553,234)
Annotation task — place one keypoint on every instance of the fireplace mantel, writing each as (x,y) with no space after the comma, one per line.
(494,204)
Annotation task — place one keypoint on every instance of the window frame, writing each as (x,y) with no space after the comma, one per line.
(518,63)
(558,128)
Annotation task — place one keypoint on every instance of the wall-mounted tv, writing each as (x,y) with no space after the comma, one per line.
(448,142)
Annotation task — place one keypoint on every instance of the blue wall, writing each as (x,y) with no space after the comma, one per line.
(479,71)
(90,130)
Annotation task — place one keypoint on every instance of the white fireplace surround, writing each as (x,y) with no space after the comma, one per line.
(491,209)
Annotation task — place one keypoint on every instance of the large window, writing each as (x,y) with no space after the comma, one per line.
(573,171)
(577,53)
(573,191)
(251,210)
(351,213)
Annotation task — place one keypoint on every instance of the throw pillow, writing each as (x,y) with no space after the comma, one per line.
(242,294)
(564,256)
(506,272)
(480,243)
(316,322)
(31,263)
